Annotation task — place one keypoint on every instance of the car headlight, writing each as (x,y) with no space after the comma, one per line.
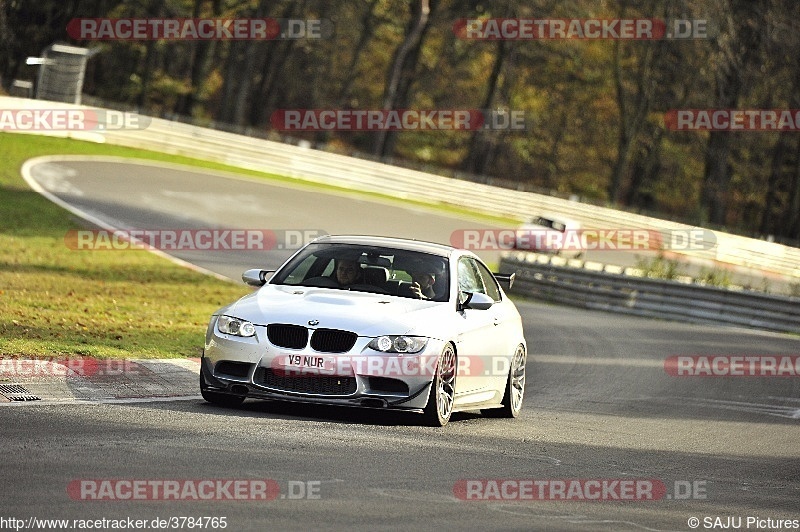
(398,344)
(235,326)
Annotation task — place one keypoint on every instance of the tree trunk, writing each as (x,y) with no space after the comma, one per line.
(474,162)
(633,113)
(199,62)
(6,40)
(244,95)
(776,172)
(404,63)
(791,223)
(277,55)
(232,62)
(736,55)
(645,169)
(367,31)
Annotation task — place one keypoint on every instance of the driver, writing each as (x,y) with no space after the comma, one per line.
(348,273)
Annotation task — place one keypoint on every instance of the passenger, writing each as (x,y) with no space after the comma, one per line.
(422,281)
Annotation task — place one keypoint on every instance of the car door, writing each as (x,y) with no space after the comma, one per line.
(506,321)
(475,340)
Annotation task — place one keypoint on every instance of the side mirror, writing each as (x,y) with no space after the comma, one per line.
(506,279)
(475,300)
(256,277)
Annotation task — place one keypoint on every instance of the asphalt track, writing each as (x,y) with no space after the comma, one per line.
(599,406)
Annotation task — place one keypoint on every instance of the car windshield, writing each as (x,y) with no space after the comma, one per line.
(363,268)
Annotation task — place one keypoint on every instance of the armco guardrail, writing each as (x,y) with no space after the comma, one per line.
(617,292)
(341,170)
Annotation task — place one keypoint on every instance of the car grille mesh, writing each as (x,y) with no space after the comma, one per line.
(311,384)
(288,336)
(333,341)
(322,340)
(234,369)
(385,384)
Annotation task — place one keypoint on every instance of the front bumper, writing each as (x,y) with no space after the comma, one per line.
(361,377)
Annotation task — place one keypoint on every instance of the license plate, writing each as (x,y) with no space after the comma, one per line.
(305,364)
(307,361)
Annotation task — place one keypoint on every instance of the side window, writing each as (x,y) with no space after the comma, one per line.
(492,289)
(468,277)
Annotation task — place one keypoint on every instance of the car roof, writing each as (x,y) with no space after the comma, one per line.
(389,242)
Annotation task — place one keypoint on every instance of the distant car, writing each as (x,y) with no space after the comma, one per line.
(382,341)
(545,234)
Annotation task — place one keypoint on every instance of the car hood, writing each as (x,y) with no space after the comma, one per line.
(360,312)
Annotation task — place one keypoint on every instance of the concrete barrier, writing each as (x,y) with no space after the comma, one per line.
(641,296)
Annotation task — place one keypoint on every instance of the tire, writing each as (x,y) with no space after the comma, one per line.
(515,388)
(217,398)
(442,394)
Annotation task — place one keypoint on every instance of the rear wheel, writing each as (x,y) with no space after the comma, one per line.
(217,398)
(443,389)
(515,387)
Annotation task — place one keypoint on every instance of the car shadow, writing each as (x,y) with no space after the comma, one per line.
(326,413)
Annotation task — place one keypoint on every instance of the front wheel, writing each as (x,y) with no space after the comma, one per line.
(443,389)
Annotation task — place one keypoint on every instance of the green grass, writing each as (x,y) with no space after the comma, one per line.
(660,267)
(57,302)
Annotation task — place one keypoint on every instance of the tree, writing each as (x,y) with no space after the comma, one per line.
(401,72)
(199,62)
(634,102)
(736,51)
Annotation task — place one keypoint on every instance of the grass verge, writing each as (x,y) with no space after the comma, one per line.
(55,302)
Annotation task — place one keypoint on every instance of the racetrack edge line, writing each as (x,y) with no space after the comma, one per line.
(25,171)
